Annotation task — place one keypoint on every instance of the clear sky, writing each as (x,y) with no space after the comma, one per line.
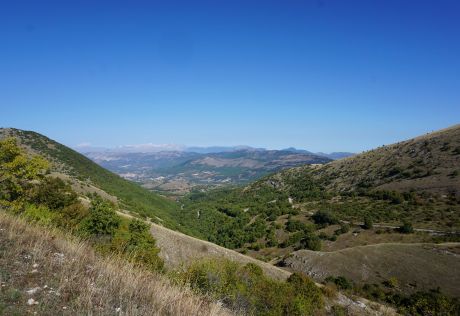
(320,75)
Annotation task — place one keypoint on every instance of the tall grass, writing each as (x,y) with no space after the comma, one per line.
(86,282)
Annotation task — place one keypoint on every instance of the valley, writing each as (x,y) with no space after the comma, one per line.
(176,173)
(363,225)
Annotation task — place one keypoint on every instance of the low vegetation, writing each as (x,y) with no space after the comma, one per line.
(30,194)
(431,302)
(49,273)
(246,289)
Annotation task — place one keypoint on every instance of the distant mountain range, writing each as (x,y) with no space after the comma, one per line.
(177,172)
(176,169)
(156,148)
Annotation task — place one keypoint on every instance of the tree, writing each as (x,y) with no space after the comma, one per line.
(142,246)
(324,218)
(18,170)
(102,219)
(406,228)
(344,228)
(54,193)
(368,222)
(311,241)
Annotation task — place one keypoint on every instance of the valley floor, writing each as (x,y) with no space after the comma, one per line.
(417,266)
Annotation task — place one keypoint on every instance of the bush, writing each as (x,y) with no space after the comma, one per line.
(141,246)
(54,193)
(311,241)
(368,222)
(39,214)
(293,239)
(344,228)
(431,302)
(102,219)
(392,282)
(295,225)
(324,218)
(406,228)
(246,290)
(340,281)
(71,216)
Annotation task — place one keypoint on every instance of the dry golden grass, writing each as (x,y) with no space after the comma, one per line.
(416,266)
(67,277)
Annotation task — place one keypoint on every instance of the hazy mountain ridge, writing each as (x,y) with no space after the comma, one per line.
(179,171)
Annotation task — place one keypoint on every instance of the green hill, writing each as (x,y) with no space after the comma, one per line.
(415,182)
(129,195)
(429,163)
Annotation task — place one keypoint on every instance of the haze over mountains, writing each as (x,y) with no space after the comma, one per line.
(153,148)
(174,169)
(289,217)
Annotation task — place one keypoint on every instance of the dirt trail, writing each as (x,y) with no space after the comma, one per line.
(425,230)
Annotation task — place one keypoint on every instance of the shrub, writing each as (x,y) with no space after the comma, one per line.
(340,281)
(368,222)
(324,218)
(431,302)
(344,228)
(18,170)
(293,239)
(246,290)
(392,282)
(102,219)
(406,228)
(141,246)
(40,214)
(311,241)
(295,225)
(54,193)
(71,216)
(307,295)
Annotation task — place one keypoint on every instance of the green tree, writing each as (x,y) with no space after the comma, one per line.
(102,219)
(18,170)
(368,222)
(311,241)
(406,228)
(324,218)
(54,193)
(142,246)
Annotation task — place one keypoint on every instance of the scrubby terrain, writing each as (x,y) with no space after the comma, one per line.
(363,211)
(416,266)
(284,219)
(47,273)
(45,219)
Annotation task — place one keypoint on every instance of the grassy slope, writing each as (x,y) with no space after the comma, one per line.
(179,249)
(426,265)
(66,277)
(130,195)
(426,163)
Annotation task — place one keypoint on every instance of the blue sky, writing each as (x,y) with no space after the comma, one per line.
(320,75)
